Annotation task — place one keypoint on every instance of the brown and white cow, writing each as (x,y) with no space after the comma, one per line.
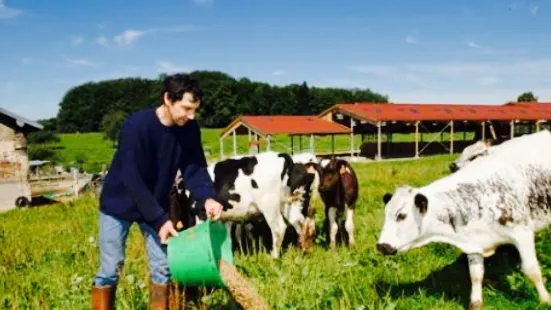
(338,190)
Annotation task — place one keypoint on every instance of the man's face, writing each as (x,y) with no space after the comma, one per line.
(183,110)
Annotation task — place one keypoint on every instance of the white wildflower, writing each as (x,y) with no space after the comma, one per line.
(130,278)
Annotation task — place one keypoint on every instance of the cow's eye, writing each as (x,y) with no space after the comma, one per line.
(401,217)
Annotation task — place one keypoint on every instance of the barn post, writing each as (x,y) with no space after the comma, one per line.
(538,125)
(292,145)
(257,142)
(268,146)
(249,137)
(312,147)
(332,144)
(352,137)
(234,143)
(512,128)
(483,125)
(452,134)
(379,157)
(417,139)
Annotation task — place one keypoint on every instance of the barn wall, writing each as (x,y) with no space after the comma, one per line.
(14,167)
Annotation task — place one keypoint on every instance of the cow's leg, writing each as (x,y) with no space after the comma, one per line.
(529,263)
(476,271)
(349,225)
(239,235)
(277,225)
(333,227)
(293,215)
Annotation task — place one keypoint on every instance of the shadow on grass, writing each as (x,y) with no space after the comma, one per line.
(40,201)
(453,281)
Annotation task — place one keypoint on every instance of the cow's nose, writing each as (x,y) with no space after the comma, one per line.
(453,167)
(386,249)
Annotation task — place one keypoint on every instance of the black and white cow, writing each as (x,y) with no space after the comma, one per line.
(500,198)
(267,185)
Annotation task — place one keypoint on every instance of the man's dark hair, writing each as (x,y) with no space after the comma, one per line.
(178,84)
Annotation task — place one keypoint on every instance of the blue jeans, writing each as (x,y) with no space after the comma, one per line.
(113,233)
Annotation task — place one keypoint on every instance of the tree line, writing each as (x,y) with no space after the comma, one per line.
(92,106)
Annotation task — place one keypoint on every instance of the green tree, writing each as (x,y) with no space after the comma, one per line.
(111,125)
(527,97)
(84,107)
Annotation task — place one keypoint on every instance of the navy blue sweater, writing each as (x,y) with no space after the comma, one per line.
(138,182)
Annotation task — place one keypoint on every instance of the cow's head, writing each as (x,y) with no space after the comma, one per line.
(470,153)
(405,212)
(330,172)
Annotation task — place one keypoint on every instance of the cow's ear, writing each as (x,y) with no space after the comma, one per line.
(342,166)
(387,197)
(422,203)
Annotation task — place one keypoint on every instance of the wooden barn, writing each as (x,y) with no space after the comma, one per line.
(14,162)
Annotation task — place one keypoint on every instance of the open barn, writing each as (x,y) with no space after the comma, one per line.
(261,129)
(449,127)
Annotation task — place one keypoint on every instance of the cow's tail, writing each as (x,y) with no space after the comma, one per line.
(287,165)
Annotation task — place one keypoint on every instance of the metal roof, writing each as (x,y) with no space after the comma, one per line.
(21,119)
(375,112)
(287,124)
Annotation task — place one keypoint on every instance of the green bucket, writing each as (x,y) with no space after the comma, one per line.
(193,254)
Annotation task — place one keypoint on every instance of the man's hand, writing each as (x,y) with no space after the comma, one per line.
(213,209)
(166,231)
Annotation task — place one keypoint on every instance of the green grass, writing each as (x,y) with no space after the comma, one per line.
(49,256)
(93,151)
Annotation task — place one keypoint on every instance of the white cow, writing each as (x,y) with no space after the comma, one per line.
(497,199)
(489,146)
(268,185)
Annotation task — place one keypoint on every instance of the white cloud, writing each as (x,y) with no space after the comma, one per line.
(473,44)
(279,72)
(411,40)
(489,80)
(25,60)
(81,62)
(168,67)
(7,12)
(495,81)
(76,40)
(103,41)
(203,2)
(130,36)
(534,8)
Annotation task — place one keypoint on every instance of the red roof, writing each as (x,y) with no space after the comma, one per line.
(288,124)
(444,112)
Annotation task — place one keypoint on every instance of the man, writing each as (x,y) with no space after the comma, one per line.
(153,144)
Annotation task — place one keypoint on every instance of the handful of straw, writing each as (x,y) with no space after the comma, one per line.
(240,288)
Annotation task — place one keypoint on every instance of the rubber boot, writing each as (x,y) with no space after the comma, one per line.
(158,297)
(103,298)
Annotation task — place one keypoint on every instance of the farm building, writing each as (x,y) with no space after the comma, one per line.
(446,125)
(398,130)
(265,127)
(14,162)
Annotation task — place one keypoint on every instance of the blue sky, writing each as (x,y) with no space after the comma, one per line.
(428,51)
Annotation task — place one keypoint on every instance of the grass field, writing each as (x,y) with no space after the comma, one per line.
(93,151)
(49,256)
